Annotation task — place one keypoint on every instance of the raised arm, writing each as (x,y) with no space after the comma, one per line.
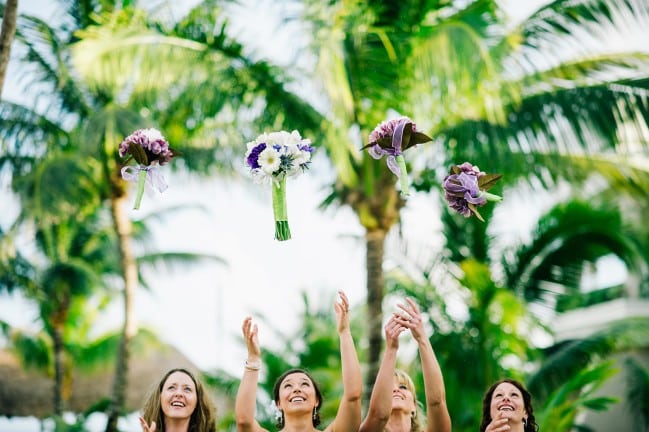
(380,407)
(437,416)
(245,404)
(348,418)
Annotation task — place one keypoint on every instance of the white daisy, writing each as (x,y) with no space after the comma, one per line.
(269,160)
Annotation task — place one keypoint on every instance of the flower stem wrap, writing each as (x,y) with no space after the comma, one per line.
(282,231)
(143,174)
(141,181)
(492,197)
(403,178)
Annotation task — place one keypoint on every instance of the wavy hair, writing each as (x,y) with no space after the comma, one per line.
(530,424)
(203,418)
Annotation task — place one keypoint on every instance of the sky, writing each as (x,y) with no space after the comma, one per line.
(200,310)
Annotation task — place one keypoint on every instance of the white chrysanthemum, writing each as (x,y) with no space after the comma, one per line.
(296,137)
(260,177)
(269,160)
(279,138)
(153,134)
(301,157)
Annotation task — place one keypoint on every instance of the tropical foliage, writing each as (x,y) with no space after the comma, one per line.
(504,95)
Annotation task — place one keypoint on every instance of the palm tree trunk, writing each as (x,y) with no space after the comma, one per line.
(6,37)
(59,362)
(124,228)
(374,241)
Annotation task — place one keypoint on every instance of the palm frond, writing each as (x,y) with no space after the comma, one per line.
(571,357)
(638,393)
(557,21)
(566,238)
(559,411)
(176,260)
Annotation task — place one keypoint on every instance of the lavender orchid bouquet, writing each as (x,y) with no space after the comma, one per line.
(466,189)
(150,150)
(272,157)
(392,138)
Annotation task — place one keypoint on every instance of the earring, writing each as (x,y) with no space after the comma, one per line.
(314,416)
(280,419)
(525,422)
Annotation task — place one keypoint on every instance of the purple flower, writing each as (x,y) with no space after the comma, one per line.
(253,158)
(387,129)
(392,138)
(147,146)
(465,189)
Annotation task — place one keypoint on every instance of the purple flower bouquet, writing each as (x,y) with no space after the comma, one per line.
(272,157)
(150,150)
(392,138)
(466,189)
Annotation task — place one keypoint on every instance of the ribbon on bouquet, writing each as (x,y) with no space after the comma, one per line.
(144,174)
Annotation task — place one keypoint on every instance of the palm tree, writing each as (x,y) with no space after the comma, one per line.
(495,320)
(485,91)
(88,119)
(72,263)
(9,15)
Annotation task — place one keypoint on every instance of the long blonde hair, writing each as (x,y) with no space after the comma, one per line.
(416,424)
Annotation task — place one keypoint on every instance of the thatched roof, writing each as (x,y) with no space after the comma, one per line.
(29,392)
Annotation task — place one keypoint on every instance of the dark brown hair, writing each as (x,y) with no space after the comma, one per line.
(530,424)
(278,382)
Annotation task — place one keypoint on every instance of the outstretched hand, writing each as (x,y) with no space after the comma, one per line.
(146,427)
(393,330)
(410,318)
(250,331)
(342,312)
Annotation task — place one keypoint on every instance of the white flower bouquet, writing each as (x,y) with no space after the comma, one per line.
(272,157)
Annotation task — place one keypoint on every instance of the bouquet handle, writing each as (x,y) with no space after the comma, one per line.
(282,231)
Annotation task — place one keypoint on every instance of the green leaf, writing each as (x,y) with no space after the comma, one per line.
(474,209)
(419,138)
(487,181)
(138,154)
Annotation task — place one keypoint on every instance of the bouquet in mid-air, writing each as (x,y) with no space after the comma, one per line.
(272,157)
(392,138)
(150,150)
(465,189)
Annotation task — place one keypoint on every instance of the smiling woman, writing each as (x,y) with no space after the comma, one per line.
(507,406)
(178,403)
(296,395)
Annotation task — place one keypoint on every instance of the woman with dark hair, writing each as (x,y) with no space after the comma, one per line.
(296,395)
(393,403)
(507,406)
(179,403)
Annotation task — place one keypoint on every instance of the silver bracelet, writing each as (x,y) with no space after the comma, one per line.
(253,366)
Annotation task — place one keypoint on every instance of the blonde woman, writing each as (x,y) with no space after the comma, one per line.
(393,405)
